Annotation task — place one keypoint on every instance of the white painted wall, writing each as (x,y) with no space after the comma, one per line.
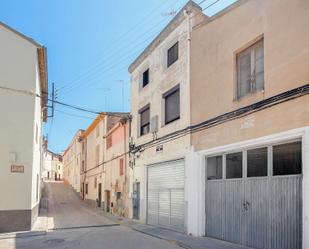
(19,113)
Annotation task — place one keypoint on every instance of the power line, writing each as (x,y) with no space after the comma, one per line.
(84,109)
(73,115)
(80,82)
(120,39)
(266,103)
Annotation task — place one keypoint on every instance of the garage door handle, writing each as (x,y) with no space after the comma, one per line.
(246,205)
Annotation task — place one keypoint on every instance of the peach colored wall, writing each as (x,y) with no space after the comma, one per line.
(285,116)
(284,26)
(118,134)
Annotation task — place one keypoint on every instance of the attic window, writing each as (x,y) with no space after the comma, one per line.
(146,78)
(172,54)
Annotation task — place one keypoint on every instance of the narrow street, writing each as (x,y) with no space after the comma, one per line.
(72,224)
(66,210)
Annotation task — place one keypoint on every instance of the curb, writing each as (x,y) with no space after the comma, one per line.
(22,234)
(175,242)
(81,227)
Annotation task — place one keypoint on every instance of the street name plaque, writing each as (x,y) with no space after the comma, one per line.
(17,168)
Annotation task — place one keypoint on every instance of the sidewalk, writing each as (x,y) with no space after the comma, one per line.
(179,239)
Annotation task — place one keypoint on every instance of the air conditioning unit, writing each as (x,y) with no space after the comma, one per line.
(154,123)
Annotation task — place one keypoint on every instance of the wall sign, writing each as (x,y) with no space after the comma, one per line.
(17,168)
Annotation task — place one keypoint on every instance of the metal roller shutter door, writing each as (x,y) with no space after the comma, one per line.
(165,195)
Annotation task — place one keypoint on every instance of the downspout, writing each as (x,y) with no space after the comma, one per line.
(125,160)
(187,14)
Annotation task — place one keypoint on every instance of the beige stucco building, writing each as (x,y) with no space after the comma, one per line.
(160,105)
(92,174)
(23,99)
(250,124)
(72,162)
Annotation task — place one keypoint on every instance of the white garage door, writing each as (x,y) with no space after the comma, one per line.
(165,195)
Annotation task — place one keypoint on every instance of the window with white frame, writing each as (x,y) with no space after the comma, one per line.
(286,160)
(250,69)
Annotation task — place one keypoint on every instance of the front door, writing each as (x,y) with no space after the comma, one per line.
(108,198)
(136,200)
(99,194)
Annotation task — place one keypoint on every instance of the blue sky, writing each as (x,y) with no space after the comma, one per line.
(90,45)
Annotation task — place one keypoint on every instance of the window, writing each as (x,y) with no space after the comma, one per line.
(214,168)
(250,70)
(86,189)
(95,182)
(97,155)
(144,120)
(287,159)
(109,141)
(172,54)
(118,195)
(234,165)
(146,78)
(172,105)
(121,166)
(97,131)
(257,162)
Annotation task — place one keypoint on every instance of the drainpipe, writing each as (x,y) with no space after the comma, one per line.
(187,14)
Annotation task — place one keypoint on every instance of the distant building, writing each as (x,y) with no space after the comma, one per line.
(23,109)
(92,174)
(52,166)
(72,161)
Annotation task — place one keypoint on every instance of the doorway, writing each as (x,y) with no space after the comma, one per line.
(108,199)
(136,200)
(99,194)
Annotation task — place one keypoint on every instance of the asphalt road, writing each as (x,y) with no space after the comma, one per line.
(67,210)
(69,216)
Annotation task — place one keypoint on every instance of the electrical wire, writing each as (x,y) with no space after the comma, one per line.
(80,82)
(106,60)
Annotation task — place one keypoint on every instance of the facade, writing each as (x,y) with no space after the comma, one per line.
(160,105)
(23,98)
(250,124)
(72,158)
(93,156)
(91,172)
(116,170)
(52,166)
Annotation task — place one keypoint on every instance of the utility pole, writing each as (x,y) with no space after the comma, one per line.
(53,101)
